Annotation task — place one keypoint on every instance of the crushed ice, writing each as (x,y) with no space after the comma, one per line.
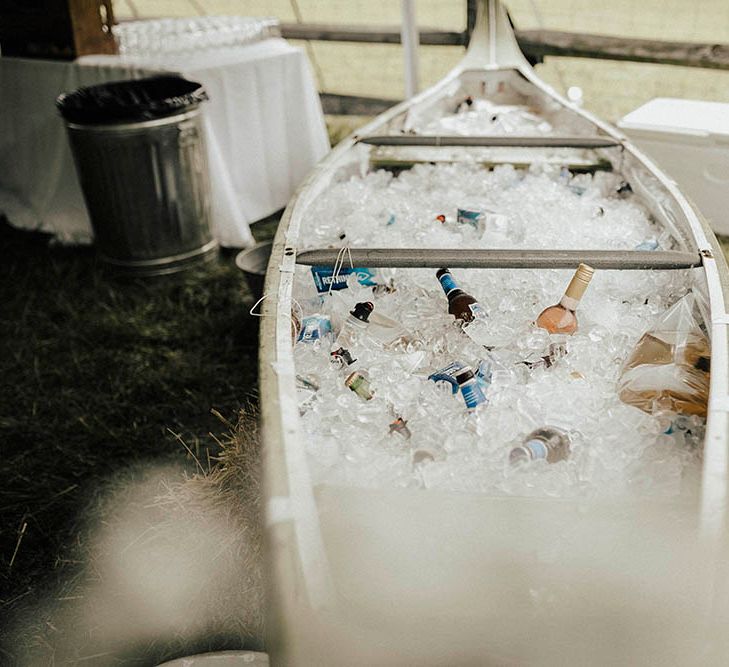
(543,207)
(484,117)
(616,449)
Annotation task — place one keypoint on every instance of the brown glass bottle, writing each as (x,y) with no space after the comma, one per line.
(461,305)
(560,318)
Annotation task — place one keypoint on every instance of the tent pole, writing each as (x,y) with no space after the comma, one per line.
(410,40)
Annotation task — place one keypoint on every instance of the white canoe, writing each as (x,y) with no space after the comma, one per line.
(408,576)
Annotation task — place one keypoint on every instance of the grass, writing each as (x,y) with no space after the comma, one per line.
(162,565)
(102,375)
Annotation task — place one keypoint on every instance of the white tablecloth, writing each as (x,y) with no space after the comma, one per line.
(265,131)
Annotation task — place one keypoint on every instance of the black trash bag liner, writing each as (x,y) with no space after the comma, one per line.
(131,101)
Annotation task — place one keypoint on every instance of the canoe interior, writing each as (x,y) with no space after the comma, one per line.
(406,576)
(663,208)
(501,86)
(439,575)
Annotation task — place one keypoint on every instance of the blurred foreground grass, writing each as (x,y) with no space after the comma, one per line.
(99,374)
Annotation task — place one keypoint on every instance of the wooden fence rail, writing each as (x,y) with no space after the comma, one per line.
(536,45)
(366,33)
(540,43)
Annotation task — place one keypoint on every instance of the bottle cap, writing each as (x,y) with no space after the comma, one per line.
(340,357)
(440,272)
(362,310)
(579,282)
(464,375)
(623,189)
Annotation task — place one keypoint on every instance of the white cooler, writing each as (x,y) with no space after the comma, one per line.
(689,139)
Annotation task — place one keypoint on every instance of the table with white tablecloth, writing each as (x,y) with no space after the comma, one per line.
(264,132)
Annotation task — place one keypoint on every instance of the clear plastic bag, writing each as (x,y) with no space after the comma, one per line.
(668,370)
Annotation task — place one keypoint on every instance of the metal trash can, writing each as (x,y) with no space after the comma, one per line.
(141,160)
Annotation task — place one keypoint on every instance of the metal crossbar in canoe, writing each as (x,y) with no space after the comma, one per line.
(621,260)
(490,142)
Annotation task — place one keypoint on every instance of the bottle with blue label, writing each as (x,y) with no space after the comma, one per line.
(326,278)
(470,215)
(315,327)
(447,375)
(462,306)
(471,391)
(549,443)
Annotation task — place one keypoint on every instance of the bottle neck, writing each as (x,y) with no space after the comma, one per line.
(447,283)
(356,322)
(537,448)
(569,303)
(577,287)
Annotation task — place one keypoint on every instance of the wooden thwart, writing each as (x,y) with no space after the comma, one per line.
(500,258)
(512,141)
